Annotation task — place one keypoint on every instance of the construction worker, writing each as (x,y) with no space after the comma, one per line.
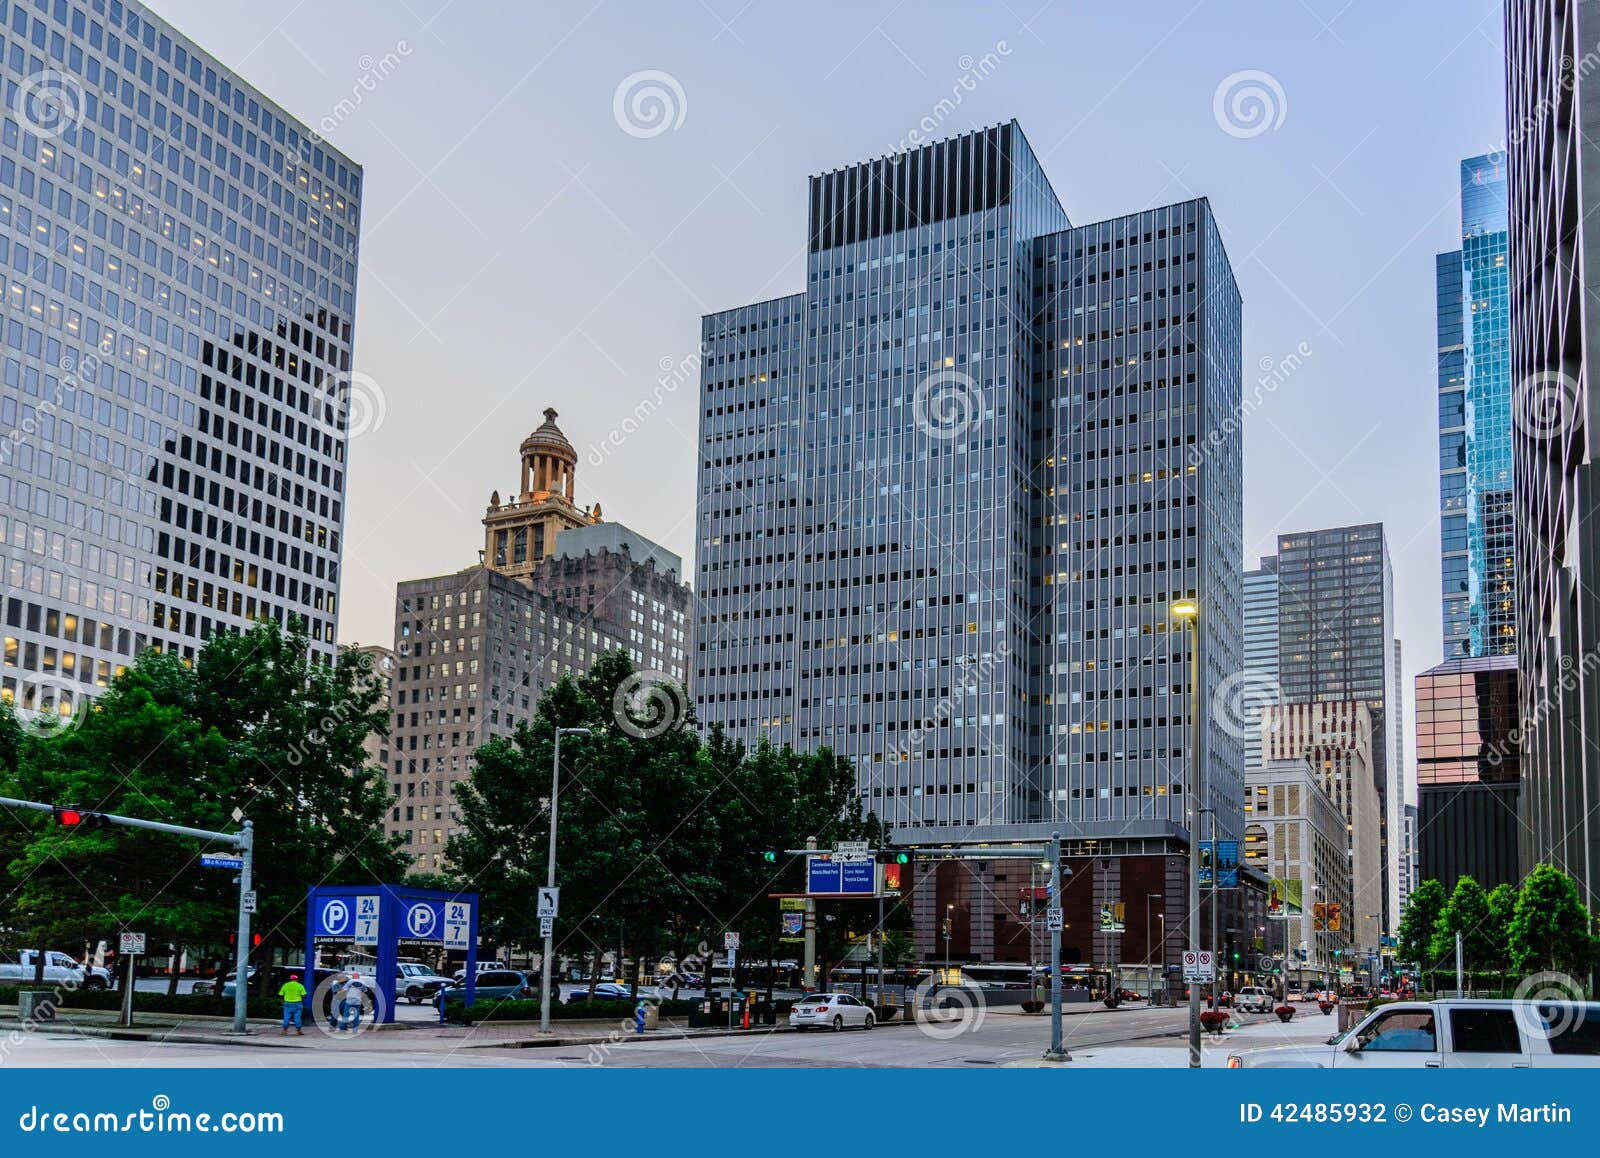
(293,995)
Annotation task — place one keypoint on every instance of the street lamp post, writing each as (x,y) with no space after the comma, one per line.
(1187,611)
(547,962)
(1149,978)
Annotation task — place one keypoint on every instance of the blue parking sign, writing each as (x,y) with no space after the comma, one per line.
(422,921)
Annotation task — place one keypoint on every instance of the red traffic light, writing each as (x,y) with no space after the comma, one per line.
(70,817)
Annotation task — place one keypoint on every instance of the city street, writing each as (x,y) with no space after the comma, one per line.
(1139,1037)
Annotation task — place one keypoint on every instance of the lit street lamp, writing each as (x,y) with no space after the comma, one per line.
(1187,612)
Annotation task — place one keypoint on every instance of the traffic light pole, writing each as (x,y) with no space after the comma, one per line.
(1057,1050)
(243,841)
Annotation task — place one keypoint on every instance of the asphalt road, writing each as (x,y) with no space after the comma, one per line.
(1000,1039)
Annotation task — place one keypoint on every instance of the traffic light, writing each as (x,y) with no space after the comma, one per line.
(78,818)
(902,858)
(769,855)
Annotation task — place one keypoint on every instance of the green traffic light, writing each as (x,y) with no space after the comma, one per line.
(902,858)
(770,856)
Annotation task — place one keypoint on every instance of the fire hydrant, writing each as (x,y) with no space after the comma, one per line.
(638,1018)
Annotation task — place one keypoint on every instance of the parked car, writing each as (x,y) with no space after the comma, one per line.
(604,991)
(1126,994)
(1451,1034)
(59,968)
(496,985)
(418,983)
(1254,999)
(834,1010)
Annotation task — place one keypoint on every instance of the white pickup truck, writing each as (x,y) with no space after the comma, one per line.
(1450,1034)
(59,968)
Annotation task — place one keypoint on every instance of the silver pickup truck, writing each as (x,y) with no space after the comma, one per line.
(59,968)
(1450,1034)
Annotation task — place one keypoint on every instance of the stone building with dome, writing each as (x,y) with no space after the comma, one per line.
(554,588)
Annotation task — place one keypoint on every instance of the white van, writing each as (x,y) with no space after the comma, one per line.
(1451,1034)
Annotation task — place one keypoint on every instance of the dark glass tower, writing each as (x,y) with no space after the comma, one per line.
(949,492)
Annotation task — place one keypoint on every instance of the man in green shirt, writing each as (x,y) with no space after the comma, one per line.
(293,995)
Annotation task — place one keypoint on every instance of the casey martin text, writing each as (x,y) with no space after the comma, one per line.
(1481,1116)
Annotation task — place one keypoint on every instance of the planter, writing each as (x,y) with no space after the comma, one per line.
(1032,1006)
(1214,1021)
(1284,1012)
(1326,1007)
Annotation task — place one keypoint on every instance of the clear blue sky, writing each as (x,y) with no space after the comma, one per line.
(520,249)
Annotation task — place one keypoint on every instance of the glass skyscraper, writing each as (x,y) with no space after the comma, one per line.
(1474,325)
(949,492)
(178,267)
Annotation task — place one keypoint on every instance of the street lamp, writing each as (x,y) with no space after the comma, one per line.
(548,960)
(1149,978)
(1187,612)
(949,917)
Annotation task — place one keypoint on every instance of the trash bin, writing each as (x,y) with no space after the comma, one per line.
(34,1005)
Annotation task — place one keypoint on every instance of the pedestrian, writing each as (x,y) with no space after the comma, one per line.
(293,995)
(334,1000)
(350,1005)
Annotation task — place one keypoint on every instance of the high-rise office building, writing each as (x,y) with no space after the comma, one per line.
(1468,771)
(950,491)
(1336,642)
(1474,367)
(1260,654)
(179,268)
(1554,167)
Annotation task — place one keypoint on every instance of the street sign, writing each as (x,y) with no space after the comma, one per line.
(131,943)
(1199,965)
(1052,919)
(367,910)
(333,917)
(730,941)
(845,877)
(457,924)
(547,926)
(249,901)
(221,860)
(549,902)
(851,850)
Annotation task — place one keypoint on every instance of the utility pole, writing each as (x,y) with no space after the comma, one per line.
(241,976)
(1188,612)
(547,961)
(1057,1050)
(808,975)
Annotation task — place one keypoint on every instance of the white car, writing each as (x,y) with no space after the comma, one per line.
(834,1010)
(1451,1034)
(1253,999)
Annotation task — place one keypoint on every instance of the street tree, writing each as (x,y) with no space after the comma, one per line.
(1466,914)
(1417,924)
(1502,907)
(1550,928)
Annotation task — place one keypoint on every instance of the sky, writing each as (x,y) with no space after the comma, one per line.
(555,193)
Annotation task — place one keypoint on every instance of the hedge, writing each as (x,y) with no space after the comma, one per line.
(528,1010)
(189,1003)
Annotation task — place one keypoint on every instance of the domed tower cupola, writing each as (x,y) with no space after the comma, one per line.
(548,461)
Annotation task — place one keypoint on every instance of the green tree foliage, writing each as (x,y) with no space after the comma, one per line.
(1418,923)
(1502,906)
(1466,913)
(252,727)
(658,833)
(1550,928)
